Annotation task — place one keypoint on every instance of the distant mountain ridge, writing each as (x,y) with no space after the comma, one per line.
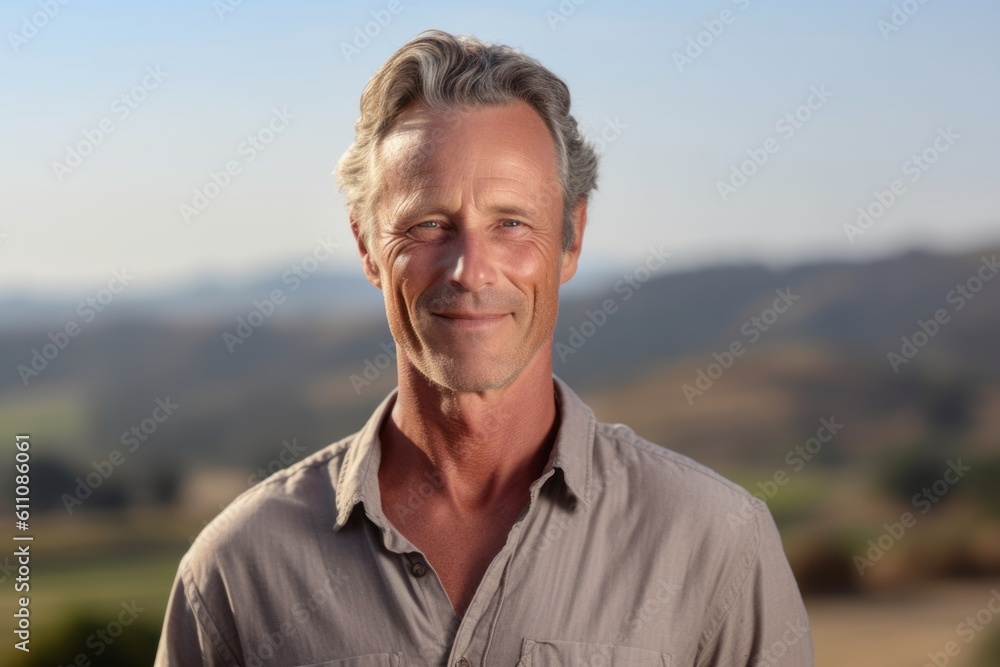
(315,295)
(792,345)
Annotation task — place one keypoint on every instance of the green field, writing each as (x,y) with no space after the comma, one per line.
(71,602)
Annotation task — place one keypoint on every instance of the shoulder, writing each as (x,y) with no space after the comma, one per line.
(274,512)
(228,572)
(714,533)
(674,489)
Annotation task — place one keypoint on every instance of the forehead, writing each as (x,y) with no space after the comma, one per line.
(429,147)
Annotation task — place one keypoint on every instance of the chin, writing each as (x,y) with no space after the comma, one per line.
(471,376)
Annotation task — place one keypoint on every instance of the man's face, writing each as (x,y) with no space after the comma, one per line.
(468,248)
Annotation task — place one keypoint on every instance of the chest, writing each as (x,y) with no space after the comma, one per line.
(572,590)
(459,546)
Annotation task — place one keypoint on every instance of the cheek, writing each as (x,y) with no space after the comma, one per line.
(529,265)
(536,274)
(547,297)
(408,278)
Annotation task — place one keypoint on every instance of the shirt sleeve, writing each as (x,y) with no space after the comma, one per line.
(190,637)
(766,622)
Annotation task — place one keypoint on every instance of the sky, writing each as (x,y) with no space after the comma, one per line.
(729,130)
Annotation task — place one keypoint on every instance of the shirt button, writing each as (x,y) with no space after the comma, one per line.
(419,569)
(462,662)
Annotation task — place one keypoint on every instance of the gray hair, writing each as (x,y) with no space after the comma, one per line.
(444,72)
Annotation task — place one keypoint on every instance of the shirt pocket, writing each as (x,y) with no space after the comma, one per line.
(372,660)
(554,653)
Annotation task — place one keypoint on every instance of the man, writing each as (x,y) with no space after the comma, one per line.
(482,516)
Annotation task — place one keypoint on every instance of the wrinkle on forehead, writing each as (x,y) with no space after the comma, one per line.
(412,142)
(488,194)
(409,158)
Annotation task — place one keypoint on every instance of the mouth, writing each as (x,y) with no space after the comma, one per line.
(458,315)
(467,320)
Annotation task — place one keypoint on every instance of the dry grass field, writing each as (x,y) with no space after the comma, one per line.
(900,629)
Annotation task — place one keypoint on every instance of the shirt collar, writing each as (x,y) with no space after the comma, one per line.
(573,450)
(572,453)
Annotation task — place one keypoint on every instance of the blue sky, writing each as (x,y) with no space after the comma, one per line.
(676,132)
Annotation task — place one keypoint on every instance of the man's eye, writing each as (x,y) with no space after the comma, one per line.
(511,223)
(428,223)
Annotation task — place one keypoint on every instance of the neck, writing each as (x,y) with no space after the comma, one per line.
(479,447)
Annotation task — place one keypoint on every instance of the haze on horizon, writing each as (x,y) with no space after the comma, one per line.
(820,108)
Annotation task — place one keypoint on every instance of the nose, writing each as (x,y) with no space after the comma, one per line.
(471,263)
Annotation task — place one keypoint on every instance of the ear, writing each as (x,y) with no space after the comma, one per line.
(367,261)
(571,255)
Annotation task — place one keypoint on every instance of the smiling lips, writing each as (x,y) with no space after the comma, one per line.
(471,316)
(470,320)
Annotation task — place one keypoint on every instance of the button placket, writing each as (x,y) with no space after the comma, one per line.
(483,613)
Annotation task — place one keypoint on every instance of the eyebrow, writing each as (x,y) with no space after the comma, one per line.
(516,211)
(418,204)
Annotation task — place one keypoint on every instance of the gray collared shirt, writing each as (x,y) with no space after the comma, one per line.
(628,554)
